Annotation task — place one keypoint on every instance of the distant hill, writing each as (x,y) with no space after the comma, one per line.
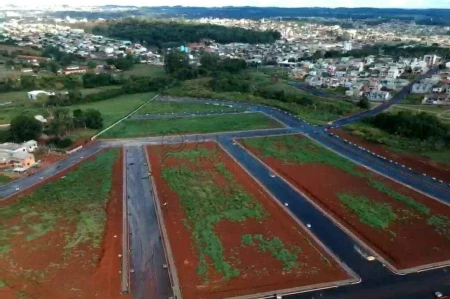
(424,16)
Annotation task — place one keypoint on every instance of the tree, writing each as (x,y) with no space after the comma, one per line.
(91,64)
(364,103)
(209,61)
(175,61)
(61,123)
(93,119)
(24,128)
(79,118)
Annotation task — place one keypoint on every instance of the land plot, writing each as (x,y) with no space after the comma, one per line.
(62,240)
(433,163)
(158,107)
(228,236)
(403,226)
(204,124)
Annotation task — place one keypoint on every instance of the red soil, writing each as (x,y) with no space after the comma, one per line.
(43,269)
(259,272)
(322,182)
(440,171)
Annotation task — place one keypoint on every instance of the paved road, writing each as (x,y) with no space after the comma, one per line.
(147,255)
(9,189)
(149,279)
(184,115)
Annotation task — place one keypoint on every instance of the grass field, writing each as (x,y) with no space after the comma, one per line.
(204,124)
(442,113)
(321,112)
(77,199)
(157,107)
(144,70)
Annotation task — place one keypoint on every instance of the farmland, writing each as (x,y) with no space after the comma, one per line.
(62,233)
(228,236)
(204,124)
(387,216)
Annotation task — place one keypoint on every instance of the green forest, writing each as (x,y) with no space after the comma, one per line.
(170,33)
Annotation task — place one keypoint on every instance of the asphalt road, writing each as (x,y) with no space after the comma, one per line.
(185,114)
(149,279)
(26,182)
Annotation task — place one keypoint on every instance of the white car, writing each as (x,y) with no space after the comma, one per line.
(438,295)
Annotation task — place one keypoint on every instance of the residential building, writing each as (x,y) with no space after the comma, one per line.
(378,95)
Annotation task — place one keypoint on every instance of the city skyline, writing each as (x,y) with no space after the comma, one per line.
(415,4)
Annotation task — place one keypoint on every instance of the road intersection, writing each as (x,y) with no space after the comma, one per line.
(378,279)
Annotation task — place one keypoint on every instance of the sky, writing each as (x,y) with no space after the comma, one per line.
(261,3)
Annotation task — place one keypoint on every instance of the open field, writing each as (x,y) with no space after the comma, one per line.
(228,236)
(442,113)
(62,234)
(386,215)
(411,153)
(111,109)
(159,107)
(145,70)
(203,124)
(321,112)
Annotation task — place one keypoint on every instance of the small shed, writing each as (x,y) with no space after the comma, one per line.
(33,95)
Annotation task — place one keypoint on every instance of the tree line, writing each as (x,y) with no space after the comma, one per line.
(422,126)
(25,127)
(159,32)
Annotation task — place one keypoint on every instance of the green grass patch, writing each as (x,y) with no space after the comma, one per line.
(293,149)
(371,213)
(203,124)
(400,197)
(145,70)
(155,107)
(206,204)
(276,248)
(79,198)
(441,224)
(4,179)
(321,112)
(3,283)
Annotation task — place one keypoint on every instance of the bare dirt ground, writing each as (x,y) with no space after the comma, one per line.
(259,270)
(42,268)
(409,241)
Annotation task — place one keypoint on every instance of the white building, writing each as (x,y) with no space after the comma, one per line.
(347,46)
(378,95)
(33,95)
(393,73)
(430,59)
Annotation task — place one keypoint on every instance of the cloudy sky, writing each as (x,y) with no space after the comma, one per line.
(286,3)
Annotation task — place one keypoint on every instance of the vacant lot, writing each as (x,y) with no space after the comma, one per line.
(410,152)
(320,111)
(204,124)
(159,107)
(145,70)
(228,236)
(62,234)
(384,214)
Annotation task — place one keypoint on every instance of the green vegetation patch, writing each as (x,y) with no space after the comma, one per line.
(4,179)
(400,197)
(293,149)
(276,248)
(206,203)
(371,213)
(155,107)
(203,124)
(441,224)
(79,198)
